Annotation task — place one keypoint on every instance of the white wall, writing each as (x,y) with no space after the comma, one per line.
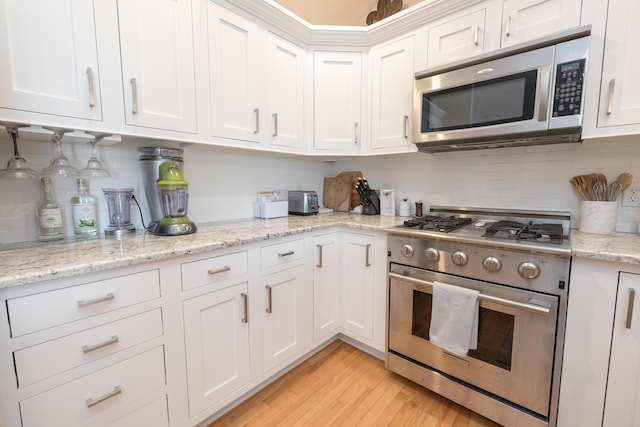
(223,183)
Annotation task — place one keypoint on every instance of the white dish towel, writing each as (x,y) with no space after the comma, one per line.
(454,318)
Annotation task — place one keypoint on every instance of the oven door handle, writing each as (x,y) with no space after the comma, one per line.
(532,308)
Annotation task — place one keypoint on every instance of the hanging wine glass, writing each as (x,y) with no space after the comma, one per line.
(17,167)
(60,164)
(94,167)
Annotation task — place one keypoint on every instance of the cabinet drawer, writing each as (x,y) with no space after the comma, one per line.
(52,357)
(213,270)
(282,253)
(89,398)
(47,309)
(153,414)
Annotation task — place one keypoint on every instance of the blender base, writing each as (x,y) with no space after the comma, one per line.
(119,232)
(179,229)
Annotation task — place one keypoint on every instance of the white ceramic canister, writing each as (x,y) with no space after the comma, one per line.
(598,217)
(405,208)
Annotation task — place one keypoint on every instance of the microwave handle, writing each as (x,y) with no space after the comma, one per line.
(544,86)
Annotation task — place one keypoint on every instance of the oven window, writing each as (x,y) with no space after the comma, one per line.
(503,100)
(495,331)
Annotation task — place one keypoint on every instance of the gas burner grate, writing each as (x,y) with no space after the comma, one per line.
(513,230)
(437,223)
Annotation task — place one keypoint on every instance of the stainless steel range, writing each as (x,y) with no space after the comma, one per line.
(519,262)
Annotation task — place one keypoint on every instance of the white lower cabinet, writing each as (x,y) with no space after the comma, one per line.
(283,319)
(600,383)
(358,284)
(216,345)
(326,286)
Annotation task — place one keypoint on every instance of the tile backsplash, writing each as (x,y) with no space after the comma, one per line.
(224,182)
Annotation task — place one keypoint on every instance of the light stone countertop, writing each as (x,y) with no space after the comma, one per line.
(32,262)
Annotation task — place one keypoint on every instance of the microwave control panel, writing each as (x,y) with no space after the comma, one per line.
(567,99)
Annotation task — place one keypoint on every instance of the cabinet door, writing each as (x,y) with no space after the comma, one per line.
(620,92)
(233,77)
(524,20)
(216,345)
(326,287)
(622,402)
(49,58)
(156,45)
(285,92)
(392,94)
(456,39)
(284,314)
(358,282)
(337,101)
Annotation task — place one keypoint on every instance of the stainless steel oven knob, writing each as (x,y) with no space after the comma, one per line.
(492,264)
(407,250)
(432,254)
(459,258)
(528,270)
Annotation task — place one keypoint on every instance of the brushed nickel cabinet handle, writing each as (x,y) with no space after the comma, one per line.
(612,87)
(507,27)
(107,297)
(406,127)
(367,262)
(92,402)
(275,124)
(219,270)
(245,303)
(134,93)
(319,264)
(355,133)
(269,300)
(256,113)
(285,254)
(92,93)
(476,33)
(632,297)
(89,348)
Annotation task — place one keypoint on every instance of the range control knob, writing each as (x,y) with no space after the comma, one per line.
(432,254)
(407,250)
(459,258)
(492,264)
(528,270)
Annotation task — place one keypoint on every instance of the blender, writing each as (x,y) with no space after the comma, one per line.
(119,206)
(150,160)
(173,196)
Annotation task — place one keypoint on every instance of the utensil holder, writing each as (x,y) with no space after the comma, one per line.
(598,217)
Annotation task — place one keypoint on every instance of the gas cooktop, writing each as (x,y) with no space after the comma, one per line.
(500,227)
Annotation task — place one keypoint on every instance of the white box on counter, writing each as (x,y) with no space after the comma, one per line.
(268,210)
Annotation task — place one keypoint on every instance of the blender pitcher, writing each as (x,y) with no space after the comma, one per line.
(119,206)
(173,196)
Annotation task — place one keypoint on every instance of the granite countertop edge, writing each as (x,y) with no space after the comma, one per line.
(33,262)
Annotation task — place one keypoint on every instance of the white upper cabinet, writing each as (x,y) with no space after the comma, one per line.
(156,44)
(49,58)
(620,87)
(256,81)
(524,20)
(391,96)
(457,39)
(337,101)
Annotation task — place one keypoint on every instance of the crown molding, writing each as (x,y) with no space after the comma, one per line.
(280,19)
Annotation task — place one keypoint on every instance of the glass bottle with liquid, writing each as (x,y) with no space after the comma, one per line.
(50,223)
(83,209)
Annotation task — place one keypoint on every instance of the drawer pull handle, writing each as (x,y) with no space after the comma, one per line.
(134,96)
(107,297)
(632,297)
(269,300)
(92,94)
(406,127)
(612,88)
(284,254)
(256,113)
(275,124)
(319,264)
(90,348)
(220,270)
(507,28)
(245,302)
(92,402)
(367,261)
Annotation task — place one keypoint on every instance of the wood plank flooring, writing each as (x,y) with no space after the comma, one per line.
(343,386)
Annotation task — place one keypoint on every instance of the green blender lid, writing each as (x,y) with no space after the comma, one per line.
(170,175)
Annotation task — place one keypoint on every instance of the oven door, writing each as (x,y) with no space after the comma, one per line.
(516,336)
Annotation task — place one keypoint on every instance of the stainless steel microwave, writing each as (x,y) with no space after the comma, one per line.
(528,95)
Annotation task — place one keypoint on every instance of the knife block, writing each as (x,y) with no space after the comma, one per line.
(370,204)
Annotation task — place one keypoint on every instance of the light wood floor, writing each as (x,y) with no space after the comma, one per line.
(342,386)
